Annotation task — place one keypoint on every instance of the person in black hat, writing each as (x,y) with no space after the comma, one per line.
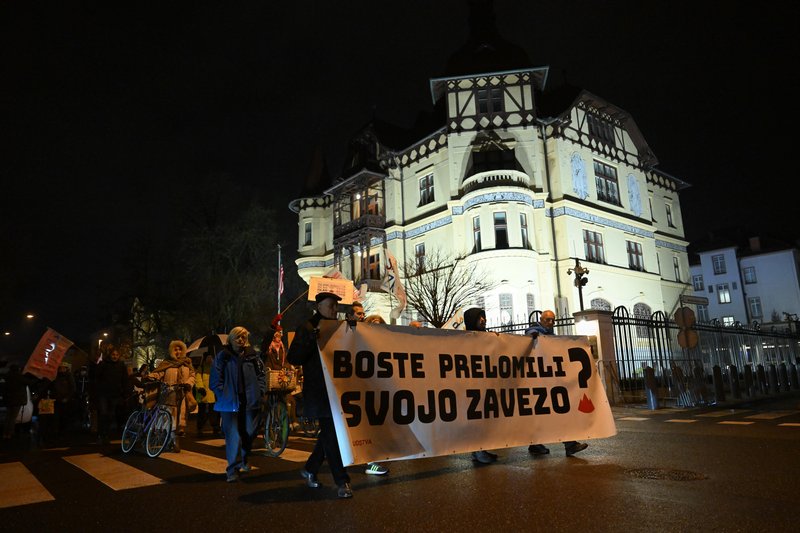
(304,351)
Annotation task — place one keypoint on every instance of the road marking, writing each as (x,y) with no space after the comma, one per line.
(790,424)
(295,456)
(634,418)
(723,412)
(772,415)
(20,486)
(114,474)
(735,423)
(213,442)
(680,420)
(200,461)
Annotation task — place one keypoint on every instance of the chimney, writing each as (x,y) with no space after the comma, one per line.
(755,244)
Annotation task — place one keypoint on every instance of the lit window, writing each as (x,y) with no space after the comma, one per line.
(605,178)
(593,247)
(728,321)
(750,275)
(426,189)
(523,225)
(697,282)
(635,257)
(718,261)
(500,230)
(307,239)
(755,307)
(476,233)
(723,293)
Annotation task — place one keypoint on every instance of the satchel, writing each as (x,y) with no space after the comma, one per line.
(47,406)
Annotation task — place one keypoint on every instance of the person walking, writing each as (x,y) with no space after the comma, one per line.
(546,326)
(475,320)
(15,398)
(239,383)
(177,369)
(304,351)
(111,385)
(205,396)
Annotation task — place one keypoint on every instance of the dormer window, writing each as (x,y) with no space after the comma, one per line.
(600,129)
(490,100)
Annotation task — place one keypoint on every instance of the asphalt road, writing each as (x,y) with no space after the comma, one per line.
(705,469)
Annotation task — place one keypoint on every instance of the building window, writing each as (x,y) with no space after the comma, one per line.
(600,129)
(676,266)
(605,178)
(670,222)
(593,246)
(523,225)
(356,207)
(476,233)
(601,304)
(718,261)
(697,282)
(307,238)
(750,275)
(652,213)
(490,100)
(375,266)
(635,257)
(642,313)
(723,293)
(426,189)
(755,307)
(728,321)
(373,208)
(506,309)
(488,160)
(419,254)
(500,230)
(702,313)
(530,304)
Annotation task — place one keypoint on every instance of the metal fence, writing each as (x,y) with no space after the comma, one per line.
(652,366)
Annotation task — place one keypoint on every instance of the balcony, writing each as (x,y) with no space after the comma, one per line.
(364,221)
(495,178)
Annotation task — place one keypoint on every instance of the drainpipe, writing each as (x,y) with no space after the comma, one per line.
(543,123)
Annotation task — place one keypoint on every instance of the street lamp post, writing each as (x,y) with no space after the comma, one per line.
(580,279)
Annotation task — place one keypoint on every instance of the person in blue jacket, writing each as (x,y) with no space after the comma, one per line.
(239,384)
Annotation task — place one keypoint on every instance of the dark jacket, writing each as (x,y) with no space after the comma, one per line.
(304,351)
(539,330)
(16,393)
(227,386)
(111,379)
(471,317)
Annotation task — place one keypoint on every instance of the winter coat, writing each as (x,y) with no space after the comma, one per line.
(111,379)
(304,351)
(202,382)
(176,372)
(63,387)
(228,387)
(471,317)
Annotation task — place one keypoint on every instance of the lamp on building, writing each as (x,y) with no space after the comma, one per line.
(580,279)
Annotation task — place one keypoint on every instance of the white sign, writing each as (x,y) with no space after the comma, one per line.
(341,287)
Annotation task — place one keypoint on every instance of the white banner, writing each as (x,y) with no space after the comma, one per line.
(399,392)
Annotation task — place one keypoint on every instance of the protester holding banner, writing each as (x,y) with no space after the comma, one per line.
(177,369)
(304,351)
(475,320)
(546,326)
(111,384)
(239,383)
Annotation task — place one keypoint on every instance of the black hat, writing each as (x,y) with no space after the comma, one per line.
(322,295)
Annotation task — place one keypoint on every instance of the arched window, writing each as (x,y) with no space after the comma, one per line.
(601,304)
(642,314)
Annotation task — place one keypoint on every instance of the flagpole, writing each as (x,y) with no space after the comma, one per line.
(280,281)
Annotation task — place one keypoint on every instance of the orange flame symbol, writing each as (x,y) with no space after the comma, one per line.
(586,405)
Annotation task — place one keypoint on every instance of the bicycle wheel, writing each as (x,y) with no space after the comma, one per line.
(310,426)
(276,429)
(132,431)
(159,433)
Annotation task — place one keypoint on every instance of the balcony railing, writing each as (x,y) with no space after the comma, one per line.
(364,221)
(494,178)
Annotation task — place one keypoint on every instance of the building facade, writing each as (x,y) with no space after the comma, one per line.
(519,190)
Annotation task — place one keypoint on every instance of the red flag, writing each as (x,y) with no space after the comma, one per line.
(47,356)
(280,281)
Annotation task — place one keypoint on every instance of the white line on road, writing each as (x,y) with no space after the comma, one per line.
(772,415)
(115,474)
(723,412)
(790,424)
(680,420)
(200,461)
(735,423)
(634,418)
(20,486)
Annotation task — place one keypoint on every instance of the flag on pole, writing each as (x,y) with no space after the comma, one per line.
(391,283)
(47,356)
(280,281)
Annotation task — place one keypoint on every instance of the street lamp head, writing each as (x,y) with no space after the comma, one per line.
(30,316)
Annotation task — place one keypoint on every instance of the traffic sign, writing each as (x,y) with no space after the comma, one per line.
(696,300)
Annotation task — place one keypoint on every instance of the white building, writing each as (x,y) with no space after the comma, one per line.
(748,283)
(521,181)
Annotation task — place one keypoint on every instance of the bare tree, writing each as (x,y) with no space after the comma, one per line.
(438,284)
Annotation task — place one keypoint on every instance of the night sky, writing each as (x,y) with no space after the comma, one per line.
(112,115)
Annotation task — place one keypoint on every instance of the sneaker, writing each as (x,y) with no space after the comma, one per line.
(483,457)
(574,447)
(538,449)
(376,469)
(233,477)
(345,491)
(245,467)
(176,447)
(311,479)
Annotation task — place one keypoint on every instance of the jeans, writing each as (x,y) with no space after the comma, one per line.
(239,430)
(327,447)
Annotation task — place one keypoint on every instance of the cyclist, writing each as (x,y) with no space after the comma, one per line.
(177,369)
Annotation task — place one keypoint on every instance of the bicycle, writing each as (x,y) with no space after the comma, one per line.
(275,412)
(152,421)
